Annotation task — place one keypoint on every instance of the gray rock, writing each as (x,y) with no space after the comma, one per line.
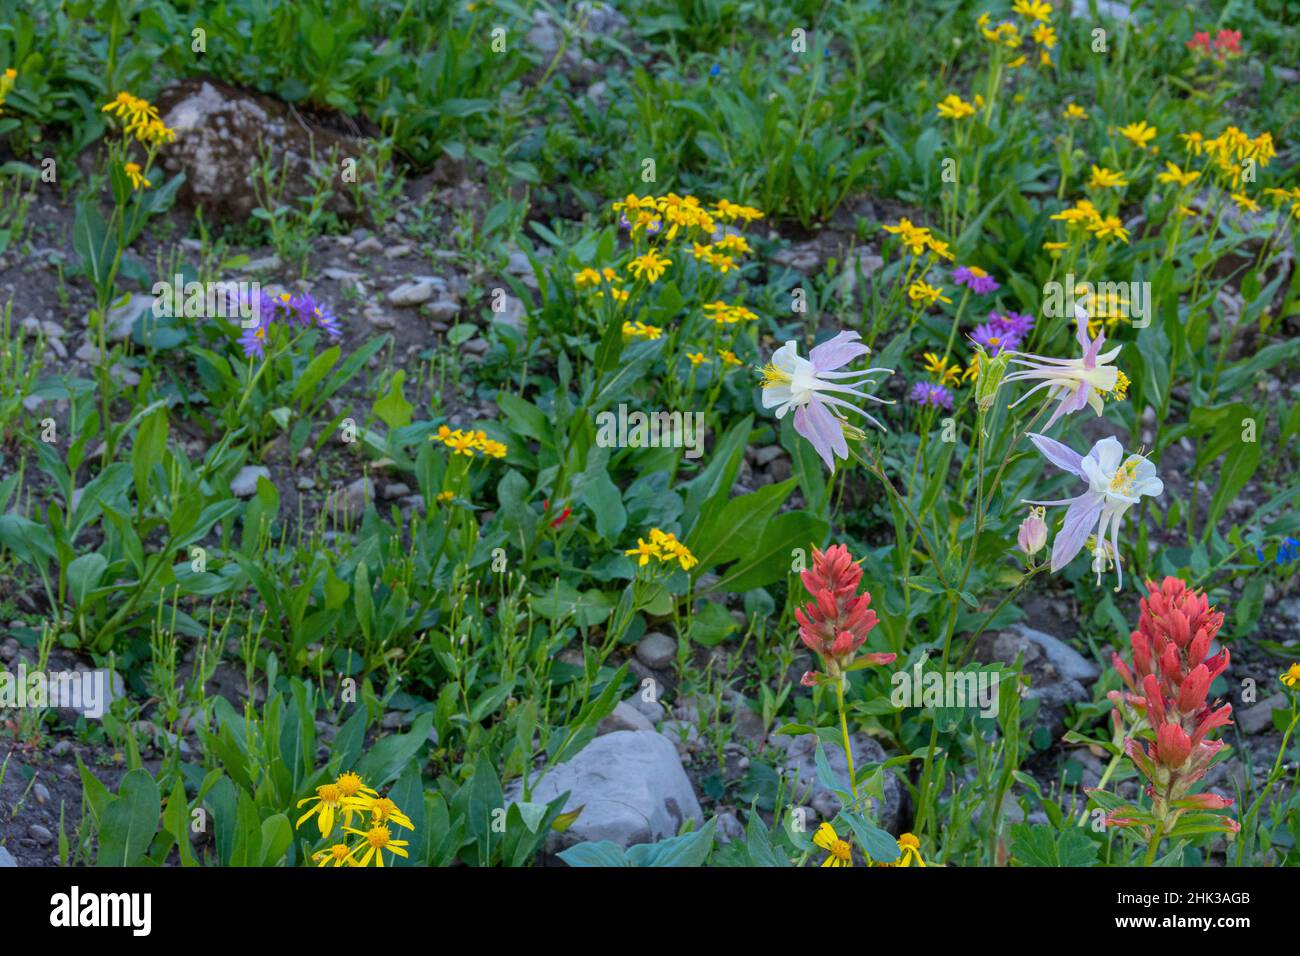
(353,498)
(369,246)
(41,835)
(396,489)
(1115,9)
(801,765)
(651,709)
(1057,673)
(443,310)
(413,293)
(40,793)
(656,650)
(244,484)
(631,786)
(7,859)
(767,454)
(729,828)
(624,717)
(122,318)
(1259,717)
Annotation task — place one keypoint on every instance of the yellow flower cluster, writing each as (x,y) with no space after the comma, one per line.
(949,372)
(953,107)
(922,292)
(1085,215)
(1292,676)
(664,547)
(347,798)
(725,314)
(1036,14)
(134,174)
(639,330)
(649,266)
(141,120)
(918,239)
(468,442)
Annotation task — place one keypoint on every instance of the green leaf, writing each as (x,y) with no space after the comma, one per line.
(1043,845)
(129,822)
(392,407)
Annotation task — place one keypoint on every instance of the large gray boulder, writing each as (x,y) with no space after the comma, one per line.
(631,786)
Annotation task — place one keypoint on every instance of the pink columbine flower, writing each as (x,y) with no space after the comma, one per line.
(1076,382)
(1115,484)
(812,386)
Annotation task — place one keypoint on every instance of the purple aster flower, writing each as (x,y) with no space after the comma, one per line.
(994,336)
(976,279)
(928,393)
(1014,322)
(323,317)
(253,339)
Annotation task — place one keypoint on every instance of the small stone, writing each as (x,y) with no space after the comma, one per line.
(7,859)
(244,484)
(475,346)
(768,454)
(40,793)
(379,318)
(369,246)
(412,293)
(41,835)
(396,489)
(624,717)
(340,275)
(656,650)
(443,310)
(305,484)
(397,251)
(353,498)
(265,264)
(120,320)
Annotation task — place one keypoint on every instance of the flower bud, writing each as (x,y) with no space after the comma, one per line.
(1033,532)
(989,378)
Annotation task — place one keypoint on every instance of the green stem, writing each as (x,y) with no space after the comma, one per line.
(844,735)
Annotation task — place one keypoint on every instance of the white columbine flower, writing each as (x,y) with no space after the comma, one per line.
(1115,484)
(811,386)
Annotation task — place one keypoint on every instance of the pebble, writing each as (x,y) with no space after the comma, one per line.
(244,484)
(656,650)
(41,835)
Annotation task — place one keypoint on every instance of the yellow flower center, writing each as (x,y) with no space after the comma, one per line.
(349,784)
(841,850)
(378,837)
(775,376)
(329,794)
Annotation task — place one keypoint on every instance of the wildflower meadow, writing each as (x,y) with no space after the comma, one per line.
(660,433)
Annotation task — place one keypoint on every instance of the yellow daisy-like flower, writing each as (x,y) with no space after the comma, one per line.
(1245,203)
(697,358)
(374,842)
(1139,133)
(1292,676)
(340,854)
(351,785)
(329,801)
(954,107)
(729,357)
(1173,174)
(939,248)
(649,266)
(639,330)
(922,291)
(728,211)
(1107,227)
(1033,9)
(943,372)
(1103,178)
(1074,111)
(916,238)
(910,850)
(445,496)
(136,176)
(644,551)
(735,243)
(838,852)
(591,277)
(1044,36)
(1193,142)
(1055,248)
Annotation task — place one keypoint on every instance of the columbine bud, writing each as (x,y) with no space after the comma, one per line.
(1033,532)
(989,378)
